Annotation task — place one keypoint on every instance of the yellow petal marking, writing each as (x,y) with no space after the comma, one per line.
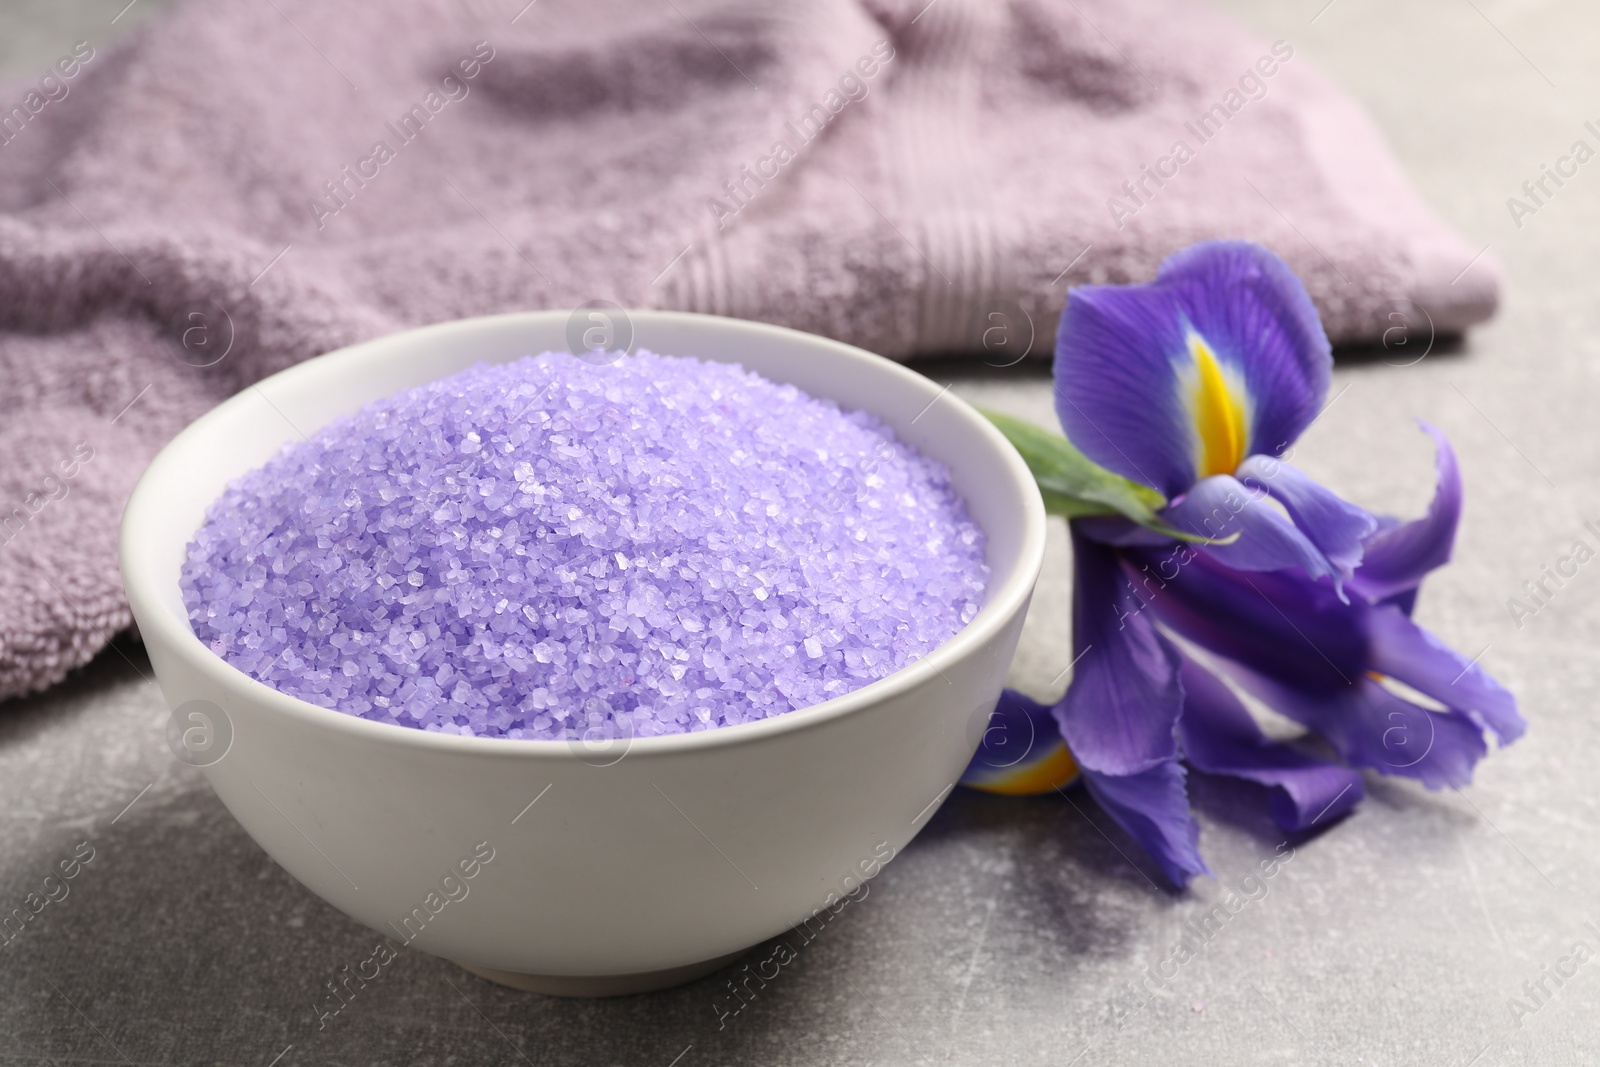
(1218,414)
(1056,768)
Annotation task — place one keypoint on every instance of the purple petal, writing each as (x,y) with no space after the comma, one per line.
(1371,727)
(1255,314)
(1406,652)
(1021,752)
(1406,601)
(1400,554)
(1153,807)
(1123,354)
(1308,656)
(1220,737)
(1116,383)
(1278,623)
(1220,506)
(1120,712)
(1335,527)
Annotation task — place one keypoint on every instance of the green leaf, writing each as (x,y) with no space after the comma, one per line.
(1071,507)
(1074,486)
(1080,485)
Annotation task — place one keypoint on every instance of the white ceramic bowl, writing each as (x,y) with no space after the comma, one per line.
(628,873)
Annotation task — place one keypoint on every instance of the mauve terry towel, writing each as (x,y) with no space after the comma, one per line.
(279,179)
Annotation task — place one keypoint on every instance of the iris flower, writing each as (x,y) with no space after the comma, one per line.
(1207,570)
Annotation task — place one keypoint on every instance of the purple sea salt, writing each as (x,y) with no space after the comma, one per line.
(552,549)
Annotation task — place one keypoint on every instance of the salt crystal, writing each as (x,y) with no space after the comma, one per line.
(550,549)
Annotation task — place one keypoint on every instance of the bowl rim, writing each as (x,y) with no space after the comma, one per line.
(176,635)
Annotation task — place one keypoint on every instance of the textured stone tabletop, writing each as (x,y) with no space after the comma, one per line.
(1009,931)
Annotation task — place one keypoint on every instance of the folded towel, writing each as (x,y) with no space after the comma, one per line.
(241,185)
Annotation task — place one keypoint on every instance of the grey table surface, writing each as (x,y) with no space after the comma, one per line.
(1010,931)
